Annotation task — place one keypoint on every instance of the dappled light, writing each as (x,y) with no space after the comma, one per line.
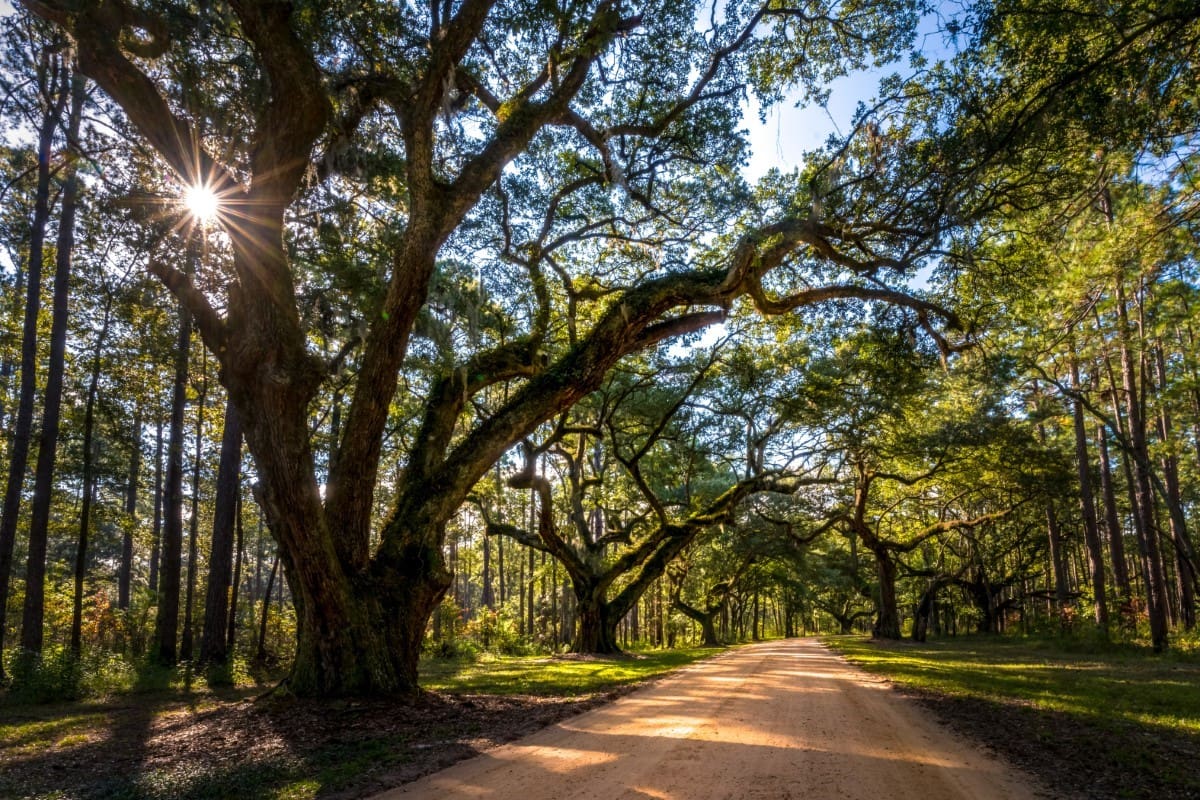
(799,720)
(433,370)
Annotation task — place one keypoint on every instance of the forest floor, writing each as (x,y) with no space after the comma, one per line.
(1090,720)
(1113,724)
(770,721)
(194,742)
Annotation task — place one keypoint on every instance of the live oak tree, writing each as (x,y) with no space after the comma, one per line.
(643,475)
(581,160)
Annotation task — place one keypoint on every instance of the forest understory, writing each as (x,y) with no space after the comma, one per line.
(234,744)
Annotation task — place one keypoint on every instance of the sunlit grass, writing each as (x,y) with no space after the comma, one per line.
(559,676)
(19,734)
(30,730)
(1104,684)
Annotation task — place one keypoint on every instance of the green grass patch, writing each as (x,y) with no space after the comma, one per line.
(112,749)
(553,676)
(1103,684)
(1114,718)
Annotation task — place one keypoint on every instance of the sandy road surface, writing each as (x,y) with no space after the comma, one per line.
(775,720)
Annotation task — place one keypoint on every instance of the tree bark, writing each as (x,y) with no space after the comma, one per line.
(596,624)
(125,574)
(166,626)
(887,619)
(187,639)
(260,652)
(33,616)
(85,509)
(1148,547)
(214,644)
(157,526)
(51,79)
(1185,563)
(1087,503)
(707,620)
(239,557)
(1116,535)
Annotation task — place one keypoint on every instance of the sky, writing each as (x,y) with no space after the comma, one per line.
(787,132)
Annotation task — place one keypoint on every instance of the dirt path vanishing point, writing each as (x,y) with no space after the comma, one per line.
(785,719)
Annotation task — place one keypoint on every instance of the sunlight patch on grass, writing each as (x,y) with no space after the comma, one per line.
(1124,684)
(19,734)
(561,676)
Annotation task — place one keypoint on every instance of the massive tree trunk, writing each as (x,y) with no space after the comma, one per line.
(706,618)
(596,624)
(927,609)
(215,638)
(33,617)
(51,78)
(361,615)
(887,617)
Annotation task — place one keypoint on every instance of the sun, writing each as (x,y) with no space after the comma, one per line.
(202,203)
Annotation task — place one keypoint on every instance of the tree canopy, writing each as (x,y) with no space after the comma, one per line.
(441,254)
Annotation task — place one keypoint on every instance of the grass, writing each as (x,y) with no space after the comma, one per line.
(1116,717)
(1107,685)
(553,676)
(139,741)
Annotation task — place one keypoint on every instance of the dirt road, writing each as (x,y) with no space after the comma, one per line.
(776,720)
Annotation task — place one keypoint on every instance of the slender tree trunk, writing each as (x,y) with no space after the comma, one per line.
(532,562)
(50,77)
(214,644)
(486,598)
(1172,496)
(125,575)
(1148,541)
(239,557)
(1087,502)
(260,653)
(1116,536)
(186,640)
(156,529)
(85,510)
(33,618)
(500,571)
(166,628)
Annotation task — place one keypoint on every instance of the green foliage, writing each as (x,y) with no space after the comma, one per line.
(100,673)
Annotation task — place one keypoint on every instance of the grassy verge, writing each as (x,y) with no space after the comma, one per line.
(185,742)
(1091,720)
(553,676)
